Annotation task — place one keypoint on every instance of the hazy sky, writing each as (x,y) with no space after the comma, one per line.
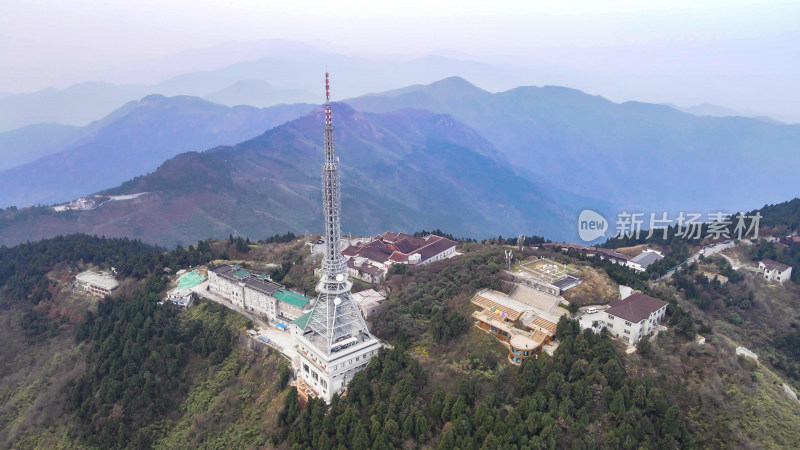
(57,43)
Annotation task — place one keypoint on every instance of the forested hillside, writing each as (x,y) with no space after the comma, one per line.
(144,376)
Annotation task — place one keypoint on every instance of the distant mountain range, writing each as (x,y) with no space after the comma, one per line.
(131,141)
(259,82)
(638,156)
(405,170)
(555,151)
(709,109)
(260,94)
(29,143)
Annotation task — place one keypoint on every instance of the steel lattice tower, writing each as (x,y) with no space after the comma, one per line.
(335,317)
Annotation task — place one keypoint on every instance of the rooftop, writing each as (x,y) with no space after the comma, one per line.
(292,298)
(770,264)
(646,258)
(567,282)
(369,297)
(301,321)
(538,299)
(636,307)
(103,280)
(434,248)
(190,279)
(261,284)
(523,342)
(611,253)
(396,247)
(500,303)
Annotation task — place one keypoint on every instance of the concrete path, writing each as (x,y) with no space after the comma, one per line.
(281,340)
(694,258)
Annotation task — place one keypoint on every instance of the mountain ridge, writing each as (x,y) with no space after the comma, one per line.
(405,170)
(134,140)
(585,143)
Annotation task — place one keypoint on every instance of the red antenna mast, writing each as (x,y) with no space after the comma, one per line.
(327,98)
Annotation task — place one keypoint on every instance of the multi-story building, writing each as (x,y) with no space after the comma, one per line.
(99,284)
(634,316)
(775,271)
(256,293)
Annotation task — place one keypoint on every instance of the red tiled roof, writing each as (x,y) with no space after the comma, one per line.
(398,257)
(406,246)
(396,247)
(611,253)
(635,307)
(365,268)
(397,237)
(351,250)
(433,249)
(388,236)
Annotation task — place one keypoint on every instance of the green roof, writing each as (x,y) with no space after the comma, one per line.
(302,320)
(190,280)
(241,273)
(291,298)
(263,276)
(236,266)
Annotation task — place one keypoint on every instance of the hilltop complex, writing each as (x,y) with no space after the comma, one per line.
(371,261)
(536,312)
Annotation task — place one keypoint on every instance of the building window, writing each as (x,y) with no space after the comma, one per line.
(627,323)
(305,367)
(627,332)
(626,339)
(610,325)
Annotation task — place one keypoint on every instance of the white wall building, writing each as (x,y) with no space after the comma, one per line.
(641,261)
(256,293)
(775,271)
(633,317)
(99,284)
(369,301)
(329,374)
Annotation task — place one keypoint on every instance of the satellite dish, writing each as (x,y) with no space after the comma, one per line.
(339,277)
(337,301)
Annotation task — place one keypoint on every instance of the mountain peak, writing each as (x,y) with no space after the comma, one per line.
(454,82)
